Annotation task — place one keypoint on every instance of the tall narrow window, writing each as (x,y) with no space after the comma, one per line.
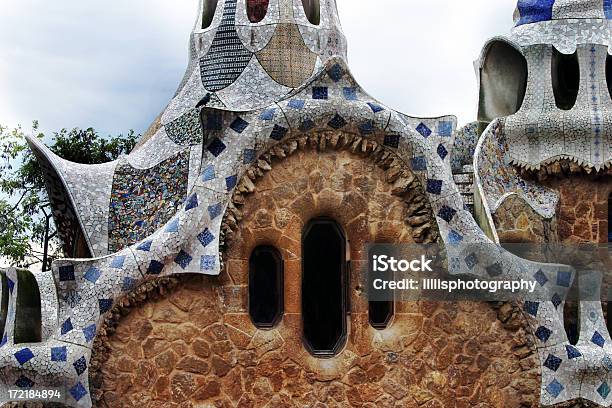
(380,312)
(208,12)
(565,79)
(257,10)
(609,73)
(312,8)
(571,310)
(265,287)
(324,287)
(28,322)
(4,301)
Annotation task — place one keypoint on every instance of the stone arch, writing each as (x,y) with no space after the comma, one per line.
(189,340)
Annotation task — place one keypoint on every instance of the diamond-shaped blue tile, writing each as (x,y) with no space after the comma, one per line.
(24,382)
(206,237)
(72,298)
(145,246)
(93,274)
(80,365)
(434,186)
(447,213)
(454,238)
(89,332)
(392,141)
(423,130)
(172,226)
(540,277)
(66,327)
(230,182)
(128,284)
(248,156)
(319,92)
(192,202)
(209,173)
(59,353)
(336,73)
(278,132)
(419,163)
(471,261)
(555,388)
(337,122)
(366,127)
(553,362)
(350,94)
(564,279)
(572,352)
(604,390)
(78,392)
(375,107)
(495,270)
(216,147)
(268,114)
(598,339)
(307,125)
(296,104)
(66,273)
(215,210)
(442,152)
(155,268)
(531,308)
(117,262)
(239,125)
(24,355)
(543,334)
(607,362)
(183,259)
(445,128)
(105,305)
(207,263)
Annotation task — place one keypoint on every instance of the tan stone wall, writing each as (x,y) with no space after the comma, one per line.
(194,346)
(583,211)
(517,222)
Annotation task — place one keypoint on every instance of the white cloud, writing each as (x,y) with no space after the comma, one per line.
(114,65)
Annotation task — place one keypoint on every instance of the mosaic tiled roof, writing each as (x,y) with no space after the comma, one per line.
(533,11)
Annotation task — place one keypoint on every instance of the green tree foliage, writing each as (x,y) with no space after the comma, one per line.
(27,231)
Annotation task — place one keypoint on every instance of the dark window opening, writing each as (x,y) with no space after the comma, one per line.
(28,321)
(609,74)
(324,287)
(571,310)
(565,79)
(503,82)
(312,8)
(257,10)
(266,287)
(381,312)
(4,302)
(208,12)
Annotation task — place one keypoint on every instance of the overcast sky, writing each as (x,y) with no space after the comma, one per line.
(114,65)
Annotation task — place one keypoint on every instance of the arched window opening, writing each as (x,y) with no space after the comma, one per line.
(257,10)
(28,321)
(312,9)
(503,82)
(208,12)
(4,302)
(571,313)
(565,79)
(324,287)
(266,287)
(381,312)
(609,74)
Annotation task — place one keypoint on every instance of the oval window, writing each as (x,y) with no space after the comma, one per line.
(324,287)
(208,12)
(312,9)
(265,287)
(257,10)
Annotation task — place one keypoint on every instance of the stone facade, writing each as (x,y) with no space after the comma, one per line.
(193,345)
